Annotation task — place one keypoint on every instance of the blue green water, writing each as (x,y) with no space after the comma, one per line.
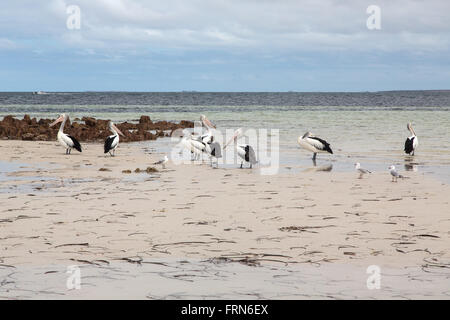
(366,127)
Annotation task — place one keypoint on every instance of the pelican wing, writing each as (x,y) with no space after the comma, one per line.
(319,144)
(111,142)
(199,145)
(409,145)
(215,149)
(250,155)
(71,142)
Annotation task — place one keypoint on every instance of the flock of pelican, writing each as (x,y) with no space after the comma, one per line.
(206,144)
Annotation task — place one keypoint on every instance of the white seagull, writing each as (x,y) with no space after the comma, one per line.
(411,142)
(66,140)
(394,174)
(112,141)
(361,170)
(314,144)
(163,161)
(244,151)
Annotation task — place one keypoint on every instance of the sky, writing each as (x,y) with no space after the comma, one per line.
(224,45)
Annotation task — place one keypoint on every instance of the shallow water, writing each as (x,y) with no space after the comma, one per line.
(369,128)
(193,279)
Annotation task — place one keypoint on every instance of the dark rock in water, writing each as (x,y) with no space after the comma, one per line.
(91,130)
(145,119)
(90,122)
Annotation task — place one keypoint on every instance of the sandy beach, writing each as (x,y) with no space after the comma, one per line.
(84,209)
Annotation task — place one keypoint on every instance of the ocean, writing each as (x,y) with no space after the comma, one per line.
(365,127)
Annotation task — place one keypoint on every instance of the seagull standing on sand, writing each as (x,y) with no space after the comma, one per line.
(314,144)
(163,161)
(244,151)
(361,171)
(65,140)
(395,175)
(112,141)
(411,142)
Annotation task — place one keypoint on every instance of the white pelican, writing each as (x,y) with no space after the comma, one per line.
(65,140)
(112,141)
(197,147)
(208,137)
(205,121)
(214,150)
(163,161)
(361,170)
(314,144)
(194,145)
(244,151)
(411,142)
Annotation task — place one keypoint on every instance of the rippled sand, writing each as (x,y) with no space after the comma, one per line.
(308,234)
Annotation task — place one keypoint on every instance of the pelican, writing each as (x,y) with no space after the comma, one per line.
(213,149)
(411,142)
(205,121)
(65,140)
(314,144)
(112,141)
(208,137)
(195,145)
(360,170)
(244,151)
(163,161)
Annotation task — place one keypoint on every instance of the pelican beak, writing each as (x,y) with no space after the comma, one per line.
(208,123)
(231,140)
(117,129)
(60,118)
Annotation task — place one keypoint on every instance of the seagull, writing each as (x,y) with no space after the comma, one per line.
(411,142)
(163,161)
(394,174)
(361,171)
(314,144)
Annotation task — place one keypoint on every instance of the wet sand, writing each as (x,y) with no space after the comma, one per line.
(62,210)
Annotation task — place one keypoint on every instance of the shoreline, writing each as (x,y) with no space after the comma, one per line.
(71,213)
(233,209)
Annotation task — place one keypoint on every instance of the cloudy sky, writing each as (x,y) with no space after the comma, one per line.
(224,45)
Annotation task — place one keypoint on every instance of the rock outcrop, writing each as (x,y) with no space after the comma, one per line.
(87,129)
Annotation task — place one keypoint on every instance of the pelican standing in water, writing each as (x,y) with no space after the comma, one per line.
(244,151)
(411,142)
(314,144)
(214,150)
(112,141)
(360,170)
(66,140)
(208,137)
